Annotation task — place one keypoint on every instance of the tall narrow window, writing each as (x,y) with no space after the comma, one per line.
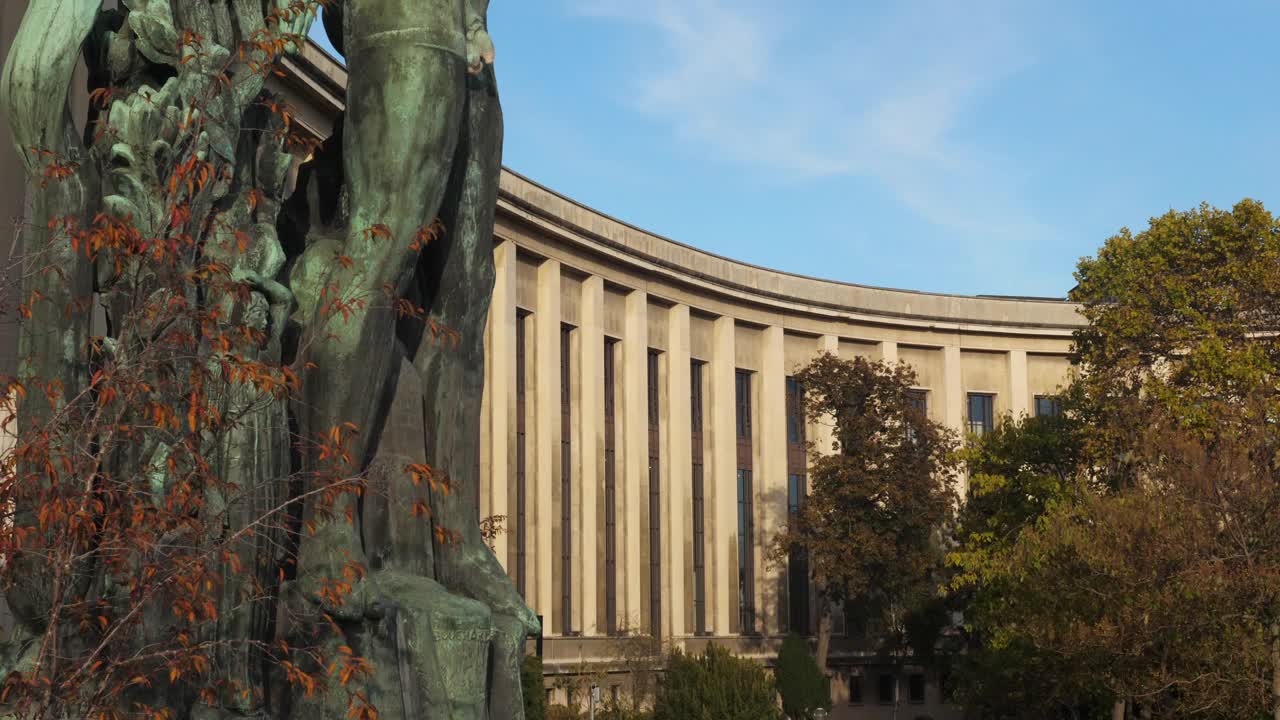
(795,412)
(746,508)
(655,503)
(521,527)
(888,693)
(610,491)
(919,400)
(981,413)
(1048,406)
(915,688)
(699,501)
(797,466)
(566,479)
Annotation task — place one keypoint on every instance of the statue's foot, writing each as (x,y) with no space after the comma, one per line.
(506,696)
(442,643)
(473,571)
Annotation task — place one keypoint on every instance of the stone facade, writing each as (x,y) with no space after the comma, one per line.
(622,486)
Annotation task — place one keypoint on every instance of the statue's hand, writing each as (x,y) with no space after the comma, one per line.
(480,50)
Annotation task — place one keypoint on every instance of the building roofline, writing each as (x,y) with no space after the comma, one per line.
(322,79)
(801,276)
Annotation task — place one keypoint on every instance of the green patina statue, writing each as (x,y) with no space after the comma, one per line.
(433,613)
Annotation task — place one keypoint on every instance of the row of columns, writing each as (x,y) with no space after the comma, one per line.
(543,457)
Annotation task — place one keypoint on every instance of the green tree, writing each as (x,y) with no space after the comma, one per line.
(715,686)
(803,686)
(1019,472)
(1181,321)
(1156,566)
(886,490)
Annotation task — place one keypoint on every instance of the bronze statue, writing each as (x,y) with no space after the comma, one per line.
(433,614)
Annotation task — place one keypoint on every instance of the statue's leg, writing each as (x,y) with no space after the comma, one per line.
(404,103)
(403,107)
(457,275)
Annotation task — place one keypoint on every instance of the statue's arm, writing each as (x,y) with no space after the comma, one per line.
(479,44)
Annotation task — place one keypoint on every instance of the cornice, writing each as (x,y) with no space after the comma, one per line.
(320,80)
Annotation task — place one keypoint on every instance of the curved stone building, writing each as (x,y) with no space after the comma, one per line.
(643,436)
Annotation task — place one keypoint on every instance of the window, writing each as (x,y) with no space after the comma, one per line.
(981,413)
(795,412)
(795,493)
(699,501)
(797,564)
(610,492)
(797,597)
(746,554)
(888,689)
(915,688)
(1048,406)
(919,400)
(855,689)
(742,386)
(655,503)
(566,479)
(521,411)
(746,508)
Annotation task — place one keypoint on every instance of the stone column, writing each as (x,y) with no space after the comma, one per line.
(591,412)
(952,389)
(721,478)
(546,444)
(771,483)
(635,449)
(500,389)
(678,490)
(889,351)
(1019,403)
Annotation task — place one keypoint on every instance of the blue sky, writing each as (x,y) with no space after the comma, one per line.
(975,147)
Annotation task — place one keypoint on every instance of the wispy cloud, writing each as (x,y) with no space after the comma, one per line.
(803,92)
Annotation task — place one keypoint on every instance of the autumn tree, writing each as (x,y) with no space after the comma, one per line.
(1159,594)
(1155,568)
(877,505)
(147,541)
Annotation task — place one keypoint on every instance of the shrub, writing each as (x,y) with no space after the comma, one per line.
(531,685)
(715,686)
(562,712)
(802,685)
(612,711)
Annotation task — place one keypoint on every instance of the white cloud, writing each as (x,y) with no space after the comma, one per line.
(803,92)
